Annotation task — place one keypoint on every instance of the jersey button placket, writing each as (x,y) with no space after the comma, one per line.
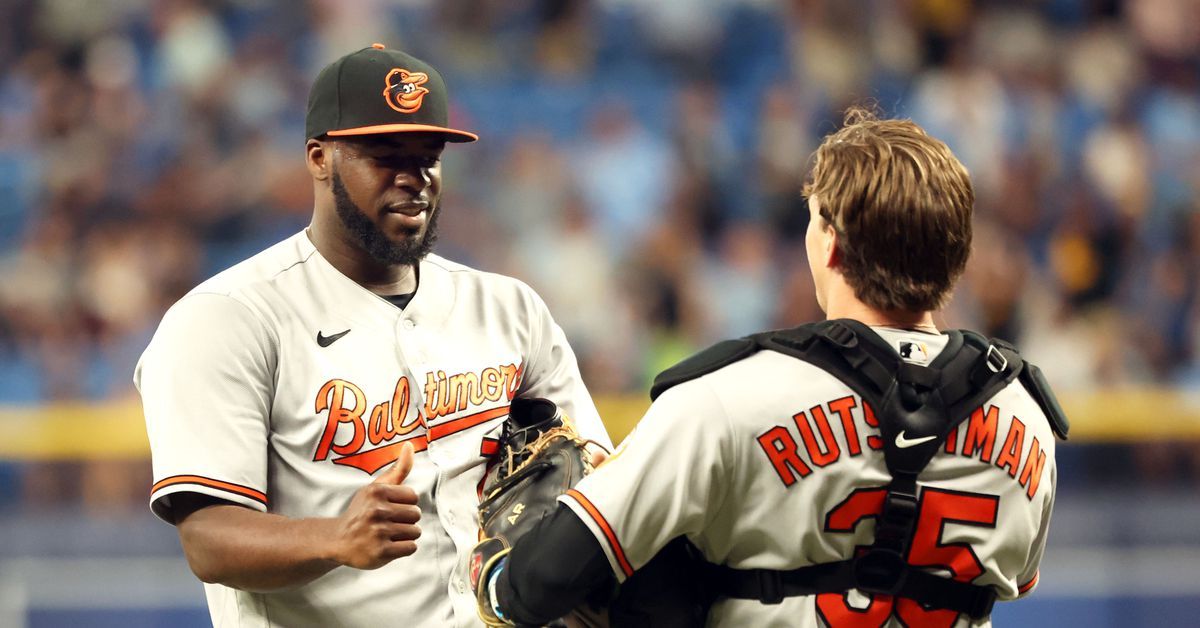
(412,356)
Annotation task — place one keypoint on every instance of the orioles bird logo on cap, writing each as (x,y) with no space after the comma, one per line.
(404,92)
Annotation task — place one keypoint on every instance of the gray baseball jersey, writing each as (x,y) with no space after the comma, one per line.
(284,386)
(773,463)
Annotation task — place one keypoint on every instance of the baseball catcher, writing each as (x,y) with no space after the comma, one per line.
(866,470)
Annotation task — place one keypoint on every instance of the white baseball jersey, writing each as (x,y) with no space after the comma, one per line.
(773,463)
(284,386)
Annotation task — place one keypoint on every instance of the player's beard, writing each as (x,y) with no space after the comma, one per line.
(381,248)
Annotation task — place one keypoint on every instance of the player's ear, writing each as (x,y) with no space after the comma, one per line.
(318,156)
(829,246)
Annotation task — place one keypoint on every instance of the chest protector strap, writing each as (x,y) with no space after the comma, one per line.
(917,407)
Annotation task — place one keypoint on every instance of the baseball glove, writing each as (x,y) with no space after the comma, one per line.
(541,456)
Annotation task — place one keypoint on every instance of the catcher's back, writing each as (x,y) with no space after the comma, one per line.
(773,463)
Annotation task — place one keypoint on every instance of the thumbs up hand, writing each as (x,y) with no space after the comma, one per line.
(379,525)
(398,472)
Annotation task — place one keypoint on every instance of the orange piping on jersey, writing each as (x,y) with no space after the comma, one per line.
(467,422)
(236,489)
(1029,585)
(609,535)
(373,460)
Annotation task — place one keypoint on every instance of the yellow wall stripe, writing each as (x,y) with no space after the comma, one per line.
(115,430)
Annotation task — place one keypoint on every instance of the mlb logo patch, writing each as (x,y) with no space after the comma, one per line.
(914,351)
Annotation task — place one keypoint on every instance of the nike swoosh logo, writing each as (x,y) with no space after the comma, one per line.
(905,443)
(325,341)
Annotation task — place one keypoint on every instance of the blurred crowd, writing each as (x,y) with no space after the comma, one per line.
(640,166)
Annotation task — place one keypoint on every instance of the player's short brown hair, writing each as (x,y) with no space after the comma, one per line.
(901,205)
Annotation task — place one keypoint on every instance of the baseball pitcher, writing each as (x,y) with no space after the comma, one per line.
(319,413)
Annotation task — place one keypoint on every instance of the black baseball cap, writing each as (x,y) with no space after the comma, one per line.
(376,90)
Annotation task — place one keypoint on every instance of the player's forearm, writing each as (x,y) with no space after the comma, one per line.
(256,551)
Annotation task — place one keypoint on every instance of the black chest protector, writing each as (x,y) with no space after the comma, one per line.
(924,403)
